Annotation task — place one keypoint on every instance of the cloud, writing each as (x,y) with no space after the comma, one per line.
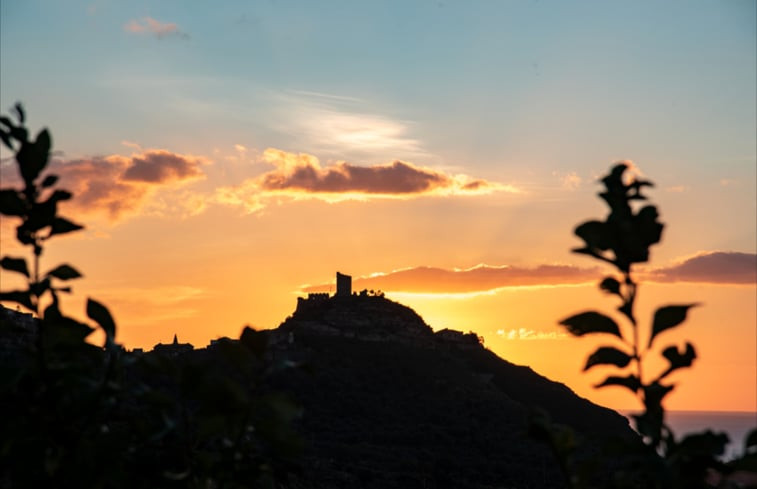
(301,176)
(481,278)
(712,267)
(717,267)
(148,25)
(343,125)
(530,334)
(118,185)
(158,166)
(568,181)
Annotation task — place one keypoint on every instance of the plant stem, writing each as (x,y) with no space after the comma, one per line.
(630,299)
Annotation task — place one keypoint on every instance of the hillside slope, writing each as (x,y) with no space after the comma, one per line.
(389,403)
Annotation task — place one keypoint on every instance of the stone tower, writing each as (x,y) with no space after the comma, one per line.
(343,285)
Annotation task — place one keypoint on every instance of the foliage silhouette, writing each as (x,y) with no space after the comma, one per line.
(73,414)
(660,460)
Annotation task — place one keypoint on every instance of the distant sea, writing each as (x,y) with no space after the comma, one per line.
(735,424)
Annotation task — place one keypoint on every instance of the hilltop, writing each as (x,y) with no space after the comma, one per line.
(387,402)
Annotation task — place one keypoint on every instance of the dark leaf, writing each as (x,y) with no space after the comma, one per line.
(6,122)
(677,359)
(608,355)
(631,382)
(627,309)
(101,316)
(654,393)
(43,142)
(41,215)
(667,317)
(59,195)
(648,227)
(32,157)
(15,265)
(610,285)
(52,312)
(595,234)
(49,181)
(64,272)
(256,341)
(19,134)
(61,225)
(591,322)
(22,297)
(5,137)
(63,331)
(11,203)
(24,234)
(40,287)
(19,111)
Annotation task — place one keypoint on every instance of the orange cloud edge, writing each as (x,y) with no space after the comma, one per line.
(712,267)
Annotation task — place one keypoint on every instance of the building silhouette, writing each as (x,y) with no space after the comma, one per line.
(343,285)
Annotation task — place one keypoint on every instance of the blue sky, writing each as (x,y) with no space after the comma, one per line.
(482,84)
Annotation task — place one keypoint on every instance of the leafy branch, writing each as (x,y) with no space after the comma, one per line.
(622,240)
(73,414)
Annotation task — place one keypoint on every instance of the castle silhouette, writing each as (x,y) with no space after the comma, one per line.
(343,290)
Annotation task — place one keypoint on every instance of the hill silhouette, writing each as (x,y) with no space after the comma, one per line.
(389,403)
(385,401)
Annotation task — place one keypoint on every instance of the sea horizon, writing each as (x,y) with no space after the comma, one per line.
(736,424)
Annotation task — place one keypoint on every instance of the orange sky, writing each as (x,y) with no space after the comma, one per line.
(227,160)
(204,277)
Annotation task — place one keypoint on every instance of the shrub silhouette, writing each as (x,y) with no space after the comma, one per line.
(73,414)
(660,460)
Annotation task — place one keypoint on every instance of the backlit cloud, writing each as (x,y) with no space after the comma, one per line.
(301,176)
(530,334)
(148,25)
(158,166)
(711,267)
(568,181)
(719,267)
(480,278)
(117,185)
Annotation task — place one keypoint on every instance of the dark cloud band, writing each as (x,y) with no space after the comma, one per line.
(719,267)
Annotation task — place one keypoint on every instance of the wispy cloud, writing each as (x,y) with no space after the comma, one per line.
(301,176)
(344,125)
(716,267)
(568,181)
(148,25)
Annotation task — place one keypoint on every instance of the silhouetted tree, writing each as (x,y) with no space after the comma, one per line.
(661,459)
(74,414)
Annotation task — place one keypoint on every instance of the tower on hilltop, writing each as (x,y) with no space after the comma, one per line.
(343,285)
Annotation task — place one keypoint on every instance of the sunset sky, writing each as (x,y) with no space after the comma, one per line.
(228,157)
